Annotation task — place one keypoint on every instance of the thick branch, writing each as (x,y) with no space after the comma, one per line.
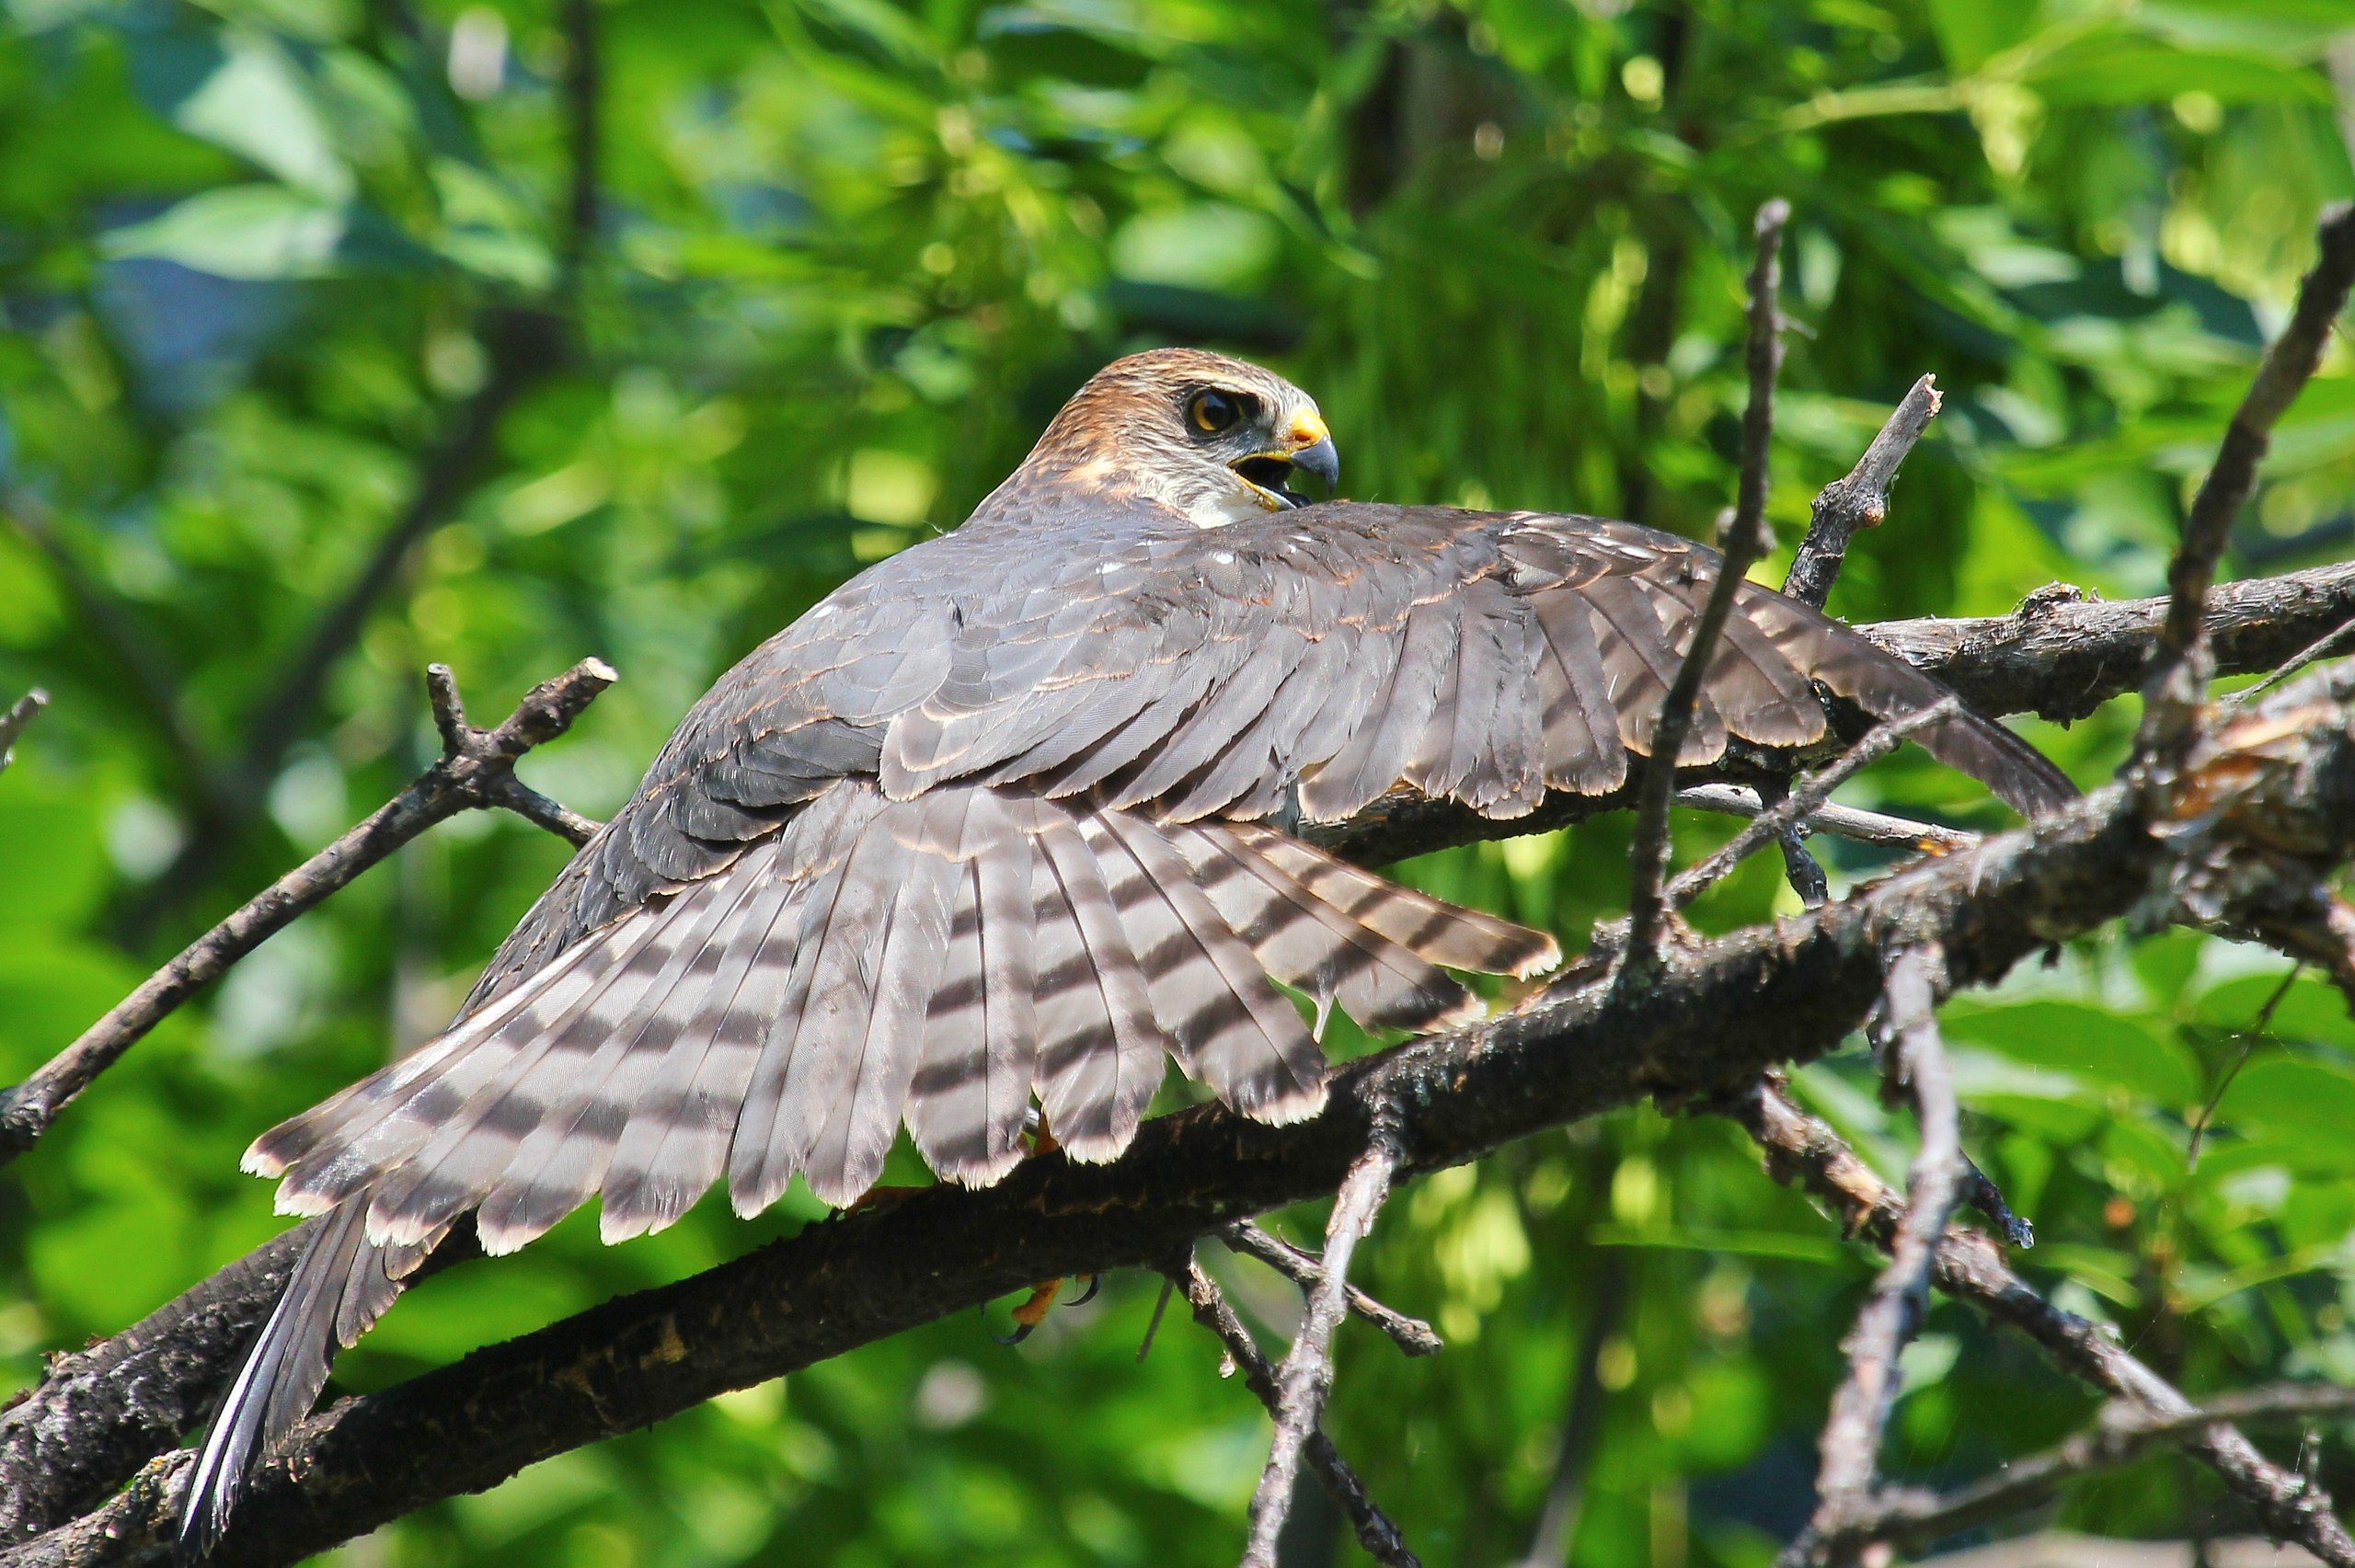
(476,770)
(1746,540)
(2180,671)
(2062,655)
(1800,985)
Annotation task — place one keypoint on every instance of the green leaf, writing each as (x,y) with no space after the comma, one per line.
(2122,69)
(2095,1048)
(240,90)
(268,231)
(2293,1094)
(1972,31)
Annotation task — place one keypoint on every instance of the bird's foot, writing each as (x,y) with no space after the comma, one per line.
(1033,1311)
(882,1195)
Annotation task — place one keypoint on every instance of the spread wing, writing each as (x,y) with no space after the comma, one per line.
(1317,658)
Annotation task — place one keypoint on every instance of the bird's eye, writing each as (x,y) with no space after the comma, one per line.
(1214,412)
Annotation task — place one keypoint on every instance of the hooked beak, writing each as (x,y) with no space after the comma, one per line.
(1308,446)
(1322,458)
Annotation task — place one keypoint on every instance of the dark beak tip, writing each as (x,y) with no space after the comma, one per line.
(1321,458)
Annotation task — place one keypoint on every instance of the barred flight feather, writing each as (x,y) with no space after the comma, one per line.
(935,964)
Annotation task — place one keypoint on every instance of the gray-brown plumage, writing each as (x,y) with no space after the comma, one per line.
(1002,821)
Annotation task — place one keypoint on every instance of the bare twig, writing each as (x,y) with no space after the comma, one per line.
(1969,1266)
(1745,542)
(1861,499)
(1979,1192)
(1842,821)
(2330,645)
(1375,1531)
(2125,1432)
(476,770)
(1412,1336)
(2182,665)
(1306,1375)
(2250,1038)
(1892,1313)
(21,712)
(1801,869)
(1807,799)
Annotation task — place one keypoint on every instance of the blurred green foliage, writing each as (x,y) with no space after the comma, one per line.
(843,258)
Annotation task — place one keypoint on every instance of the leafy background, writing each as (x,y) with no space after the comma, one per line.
(842,257)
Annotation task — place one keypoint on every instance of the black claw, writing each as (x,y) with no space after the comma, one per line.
(1095,1283)
(1021,1331)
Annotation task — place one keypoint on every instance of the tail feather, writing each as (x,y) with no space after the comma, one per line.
(1308,945)
(563,1158)
(1100,1048)
(340,1286)
(981,1040)
(677,1138)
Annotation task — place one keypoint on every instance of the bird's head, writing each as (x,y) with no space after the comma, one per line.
(1212,439)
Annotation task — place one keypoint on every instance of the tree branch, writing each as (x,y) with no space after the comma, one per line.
(1412,1336)
(1860,501)
(1841,821)
(1375,1532)
(1557,1521)
(524,346)
(1806,799)
(1306,1379)
(1892,1314)
(1914,1520)
(2180,671)
(1970,1267)
(147,677)
(476,770)
(584,88)
(19,714)
(1745,541)
(1802,984)
(2062,655)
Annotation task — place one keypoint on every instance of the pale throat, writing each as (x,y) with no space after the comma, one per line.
(1213,499)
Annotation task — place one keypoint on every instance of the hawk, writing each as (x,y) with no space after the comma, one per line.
(1005,819)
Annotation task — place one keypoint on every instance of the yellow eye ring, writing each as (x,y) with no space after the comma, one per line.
(1214,412)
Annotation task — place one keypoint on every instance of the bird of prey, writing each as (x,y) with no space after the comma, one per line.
(1006,818)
